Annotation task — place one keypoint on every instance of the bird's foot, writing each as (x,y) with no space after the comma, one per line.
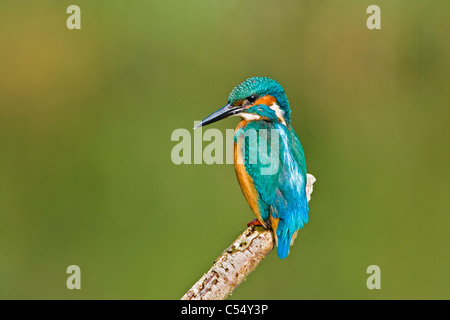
(254,222)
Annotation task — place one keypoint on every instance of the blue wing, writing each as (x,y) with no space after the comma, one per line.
(291,205)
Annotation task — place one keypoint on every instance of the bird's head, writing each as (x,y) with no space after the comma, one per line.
(257,98)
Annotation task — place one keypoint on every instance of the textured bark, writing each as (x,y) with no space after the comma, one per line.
(237,261)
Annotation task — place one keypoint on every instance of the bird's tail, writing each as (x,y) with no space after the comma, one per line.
(283,245)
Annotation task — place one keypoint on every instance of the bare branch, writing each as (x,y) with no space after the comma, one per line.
(237,261)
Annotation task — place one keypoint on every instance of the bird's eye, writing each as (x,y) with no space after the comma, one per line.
(252,98)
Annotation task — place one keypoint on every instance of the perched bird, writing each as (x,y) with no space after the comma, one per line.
(277,197)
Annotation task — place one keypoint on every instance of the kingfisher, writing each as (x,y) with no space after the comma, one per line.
(277,197)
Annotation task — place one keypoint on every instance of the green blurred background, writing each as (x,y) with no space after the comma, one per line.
(86,118)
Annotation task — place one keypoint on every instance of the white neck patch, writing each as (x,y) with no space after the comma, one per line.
(278,112)
(249,116)
(275,107)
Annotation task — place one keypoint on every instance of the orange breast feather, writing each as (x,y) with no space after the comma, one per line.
(245,181)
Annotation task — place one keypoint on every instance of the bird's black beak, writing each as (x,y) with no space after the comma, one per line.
(220,114)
